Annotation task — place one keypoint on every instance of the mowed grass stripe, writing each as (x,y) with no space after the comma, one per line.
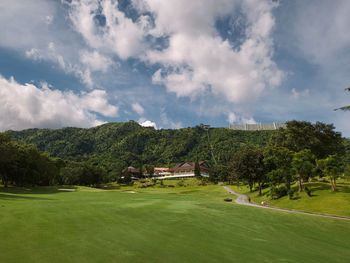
(160,225)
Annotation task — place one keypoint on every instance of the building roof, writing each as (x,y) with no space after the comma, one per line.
(132,169)
(189,166)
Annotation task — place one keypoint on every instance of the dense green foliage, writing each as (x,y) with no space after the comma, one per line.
(297,153)
(22,164)
(181,224)
(320,138)
(114,146)
(101,154)
(248,166)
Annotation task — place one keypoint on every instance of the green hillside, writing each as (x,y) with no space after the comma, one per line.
(131,144)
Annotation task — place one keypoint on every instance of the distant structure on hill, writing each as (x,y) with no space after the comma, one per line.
(257,126)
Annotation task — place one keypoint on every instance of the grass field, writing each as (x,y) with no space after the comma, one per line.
(323,200)
(182,224)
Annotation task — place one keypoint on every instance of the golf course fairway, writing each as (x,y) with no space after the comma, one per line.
(183,224)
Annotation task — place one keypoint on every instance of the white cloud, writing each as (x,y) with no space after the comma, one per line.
(95,61)
(91,62)
(147,123)
(33,54)
(297,94)
(236,118)
(231,117)
(119,34)
(169,123)
(197,59)
(320,29)
(137,107)
(48,19)
(24,24)
(28,106)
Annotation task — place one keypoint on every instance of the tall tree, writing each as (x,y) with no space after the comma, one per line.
(248,166)
(303,164)
(332,166)
(278,163)
(7,158)
(320,138)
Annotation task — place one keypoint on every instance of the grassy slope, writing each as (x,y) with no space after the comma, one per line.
(187,224)
(323,200)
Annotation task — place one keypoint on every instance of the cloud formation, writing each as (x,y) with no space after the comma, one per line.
(137,107)
(187,62)
(322,24)
(196,59)
(147,123)
(29,106)
(95,61)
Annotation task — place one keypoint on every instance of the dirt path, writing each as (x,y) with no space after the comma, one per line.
(245,200)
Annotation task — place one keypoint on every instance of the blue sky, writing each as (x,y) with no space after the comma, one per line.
(173,63)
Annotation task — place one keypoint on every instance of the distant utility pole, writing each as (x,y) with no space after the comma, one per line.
(206,128)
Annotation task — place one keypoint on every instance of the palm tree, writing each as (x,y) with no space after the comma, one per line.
(345,108)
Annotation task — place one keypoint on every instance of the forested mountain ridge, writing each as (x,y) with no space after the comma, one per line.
(102,153)
(131,144)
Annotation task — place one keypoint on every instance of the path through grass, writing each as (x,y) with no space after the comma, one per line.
(323,200)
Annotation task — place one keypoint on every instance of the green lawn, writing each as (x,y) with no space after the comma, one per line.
(184,224)
(323,200)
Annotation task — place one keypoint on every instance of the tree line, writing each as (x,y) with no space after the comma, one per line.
(101,154)
(296,154)
(23,164)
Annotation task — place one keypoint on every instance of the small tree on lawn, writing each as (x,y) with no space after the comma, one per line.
(303,165)
(278,162)
(332,166)
(248,166)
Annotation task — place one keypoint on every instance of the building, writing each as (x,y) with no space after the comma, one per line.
(257,127)
(134,172)
(183,170)
(161,171)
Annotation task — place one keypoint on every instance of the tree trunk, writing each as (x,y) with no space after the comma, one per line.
(300,181)
(4,179)
(333,184)
(259,185)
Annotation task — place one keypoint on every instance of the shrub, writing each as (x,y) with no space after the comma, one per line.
(278,192)
(161,184)
(308,191)
(181,183)
(290,194)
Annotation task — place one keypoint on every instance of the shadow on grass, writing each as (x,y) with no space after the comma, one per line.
(343,188)
(4,196)
(35,190)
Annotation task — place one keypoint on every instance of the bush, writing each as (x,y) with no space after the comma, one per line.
(308,191)
(161,184)
(203,182)
(278,192)
(181,183)
(290,194)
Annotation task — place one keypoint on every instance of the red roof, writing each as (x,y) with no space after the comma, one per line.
(189,166)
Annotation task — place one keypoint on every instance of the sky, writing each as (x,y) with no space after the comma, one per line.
(174,63)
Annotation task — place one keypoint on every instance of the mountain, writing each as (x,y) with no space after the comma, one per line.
(122,144)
